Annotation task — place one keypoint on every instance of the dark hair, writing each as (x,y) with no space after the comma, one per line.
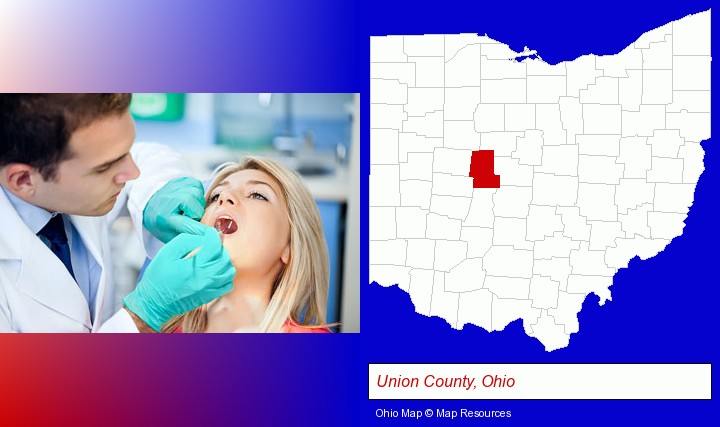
(35,128)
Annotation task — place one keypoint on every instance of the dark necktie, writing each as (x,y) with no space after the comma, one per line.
(54,231)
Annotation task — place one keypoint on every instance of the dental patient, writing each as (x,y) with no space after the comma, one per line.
(271,228)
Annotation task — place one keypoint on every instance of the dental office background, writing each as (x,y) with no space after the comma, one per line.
(317,135)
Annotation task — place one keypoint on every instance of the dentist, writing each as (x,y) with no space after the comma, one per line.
(68,168)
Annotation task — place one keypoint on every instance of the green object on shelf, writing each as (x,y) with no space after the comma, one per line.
(245,133)
(158,106)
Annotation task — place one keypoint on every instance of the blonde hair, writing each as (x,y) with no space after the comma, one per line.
(300,291)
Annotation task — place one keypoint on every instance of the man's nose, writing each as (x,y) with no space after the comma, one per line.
(128,172)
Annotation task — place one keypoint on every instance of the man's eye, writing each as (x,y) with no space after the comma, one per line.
(258,196)
(103,170)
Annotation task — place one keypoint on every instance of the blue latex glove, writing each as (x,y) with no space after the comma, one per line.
(173,285)
(175,208)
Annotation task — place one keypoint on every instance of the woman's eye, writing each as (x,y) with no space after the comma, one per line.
(214,197)
(257,196)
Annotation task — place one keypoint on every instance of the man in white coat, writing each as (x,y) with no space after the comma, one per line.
(68,168)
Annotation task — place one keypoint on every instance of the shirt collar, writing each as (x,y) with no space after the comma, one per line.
(33,216)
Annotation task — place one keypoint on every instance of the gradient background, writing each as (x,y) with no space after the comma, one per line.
(663,309)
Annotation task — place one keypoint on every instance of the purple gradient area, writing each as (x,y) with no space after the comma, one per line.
(236,379)
(180,46)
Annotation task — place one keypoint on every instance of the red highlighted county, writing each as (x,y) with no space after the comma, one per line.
(482,169)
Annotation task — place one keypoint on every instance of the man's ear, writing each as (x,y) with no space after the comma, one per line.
(20,179)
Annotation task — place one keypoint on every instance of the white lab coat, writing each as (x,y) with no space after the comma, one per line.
(37,293)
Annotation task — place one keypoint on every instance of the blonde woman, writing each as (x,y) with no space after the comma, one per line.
(271,228)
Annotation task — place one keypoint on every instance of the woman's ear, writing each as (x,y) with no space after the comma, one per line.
(285,257)
(20,178)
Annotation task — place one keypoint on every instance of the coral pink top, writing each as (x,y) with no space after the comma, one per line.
(290,327)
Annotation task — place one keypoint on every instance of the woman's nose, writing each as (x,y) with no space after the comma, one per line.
(225,198)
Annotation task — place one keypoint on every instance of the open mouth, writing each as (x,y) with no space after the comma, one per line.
(225,225)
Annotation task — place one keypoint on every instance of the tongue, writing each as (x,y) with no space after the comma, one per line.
(225,226)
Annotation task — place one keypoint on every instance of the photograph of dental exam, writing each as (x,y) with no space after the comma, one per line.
(171,212)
